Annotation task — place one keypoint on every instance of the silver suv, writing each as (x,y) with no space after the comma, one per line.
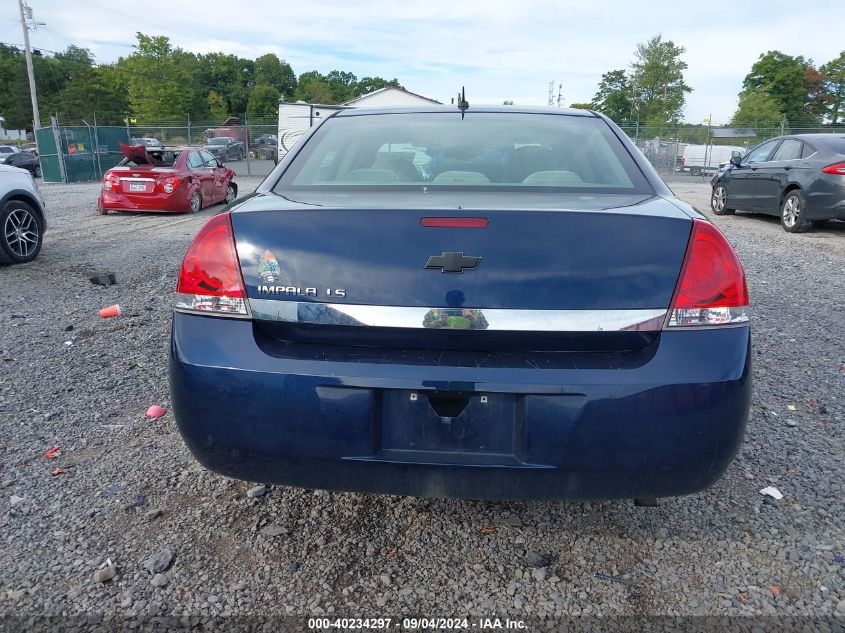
(22,219)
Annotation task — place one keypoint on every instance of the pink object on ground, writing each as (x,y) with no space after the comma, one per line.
(111,311)
(156,411)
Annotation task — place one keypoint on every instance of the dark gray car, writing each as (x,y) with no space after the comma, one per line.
(800,178)
(225,148)
(24,160)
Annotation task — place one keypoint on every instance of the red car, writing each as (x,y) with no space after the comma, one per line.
(167,180)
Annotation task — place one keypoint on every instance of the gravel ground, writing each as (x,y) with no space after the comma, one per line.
(188,542)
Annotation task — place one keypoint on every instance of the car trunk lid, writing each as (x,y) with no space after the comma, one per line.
(146,176)
(603,267)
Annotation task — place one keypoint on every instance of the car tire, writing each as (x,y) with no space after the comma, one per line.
(37,171)
(792,213)
(695,171)
(719,200)
(231,194)
(196,202)
(21,233)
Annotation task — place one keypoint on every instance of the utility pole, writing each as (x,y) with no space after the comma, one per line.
(559,94)
(36,118)
(635,105)
(551,93)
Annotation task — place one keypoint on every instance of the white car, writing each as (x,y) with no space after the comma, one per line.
(22,218)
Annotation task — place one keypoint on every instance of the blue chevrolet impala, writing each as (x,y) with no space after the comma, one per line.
(489,303)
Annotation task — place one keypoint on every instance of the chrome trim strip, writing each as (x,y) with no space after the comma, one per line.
(458,318)
(712,326)
(209,313)
(136,179)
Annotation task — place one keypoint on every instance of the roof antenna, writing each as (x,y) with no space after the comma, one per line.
(463,104)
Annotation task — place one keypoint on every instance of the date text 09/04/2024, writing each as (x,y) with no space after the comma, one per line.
(415,623)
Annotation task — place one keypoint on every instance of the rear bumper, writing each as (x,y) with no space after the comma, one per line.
(826,207)
(667,422)
(826,201)
(177,202)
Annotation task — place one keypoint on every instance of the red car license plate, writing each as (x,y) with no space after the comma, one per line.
(137,186)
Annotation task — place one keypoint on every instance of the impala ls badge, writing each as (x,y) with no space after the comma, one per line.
(299,291)
(452,262)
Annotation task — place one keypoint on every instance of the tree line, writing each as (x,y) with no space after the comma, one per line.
(791,91)
(652,92)
(159,82)
(780,90)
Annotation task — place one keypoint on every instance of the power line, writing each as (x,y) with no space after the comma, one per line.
(136,18)
(111,66)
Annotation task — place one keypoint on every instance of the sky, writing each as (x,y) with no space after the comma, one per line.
(498,49)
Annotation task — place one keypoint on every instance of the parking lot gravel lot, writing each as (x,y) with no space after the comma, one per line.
(183,541)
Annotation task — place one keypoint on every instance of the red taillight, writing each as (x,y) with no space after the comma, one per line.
(455,223)
(110,181)
(711,289)
(170,184)
(210,279)
(838,169)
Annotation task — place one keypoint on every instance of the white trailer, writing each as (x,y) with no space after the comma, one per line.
(704,159)
(295,119)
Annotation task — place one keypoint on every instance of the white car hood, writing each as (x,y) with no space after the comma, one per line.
(10,168)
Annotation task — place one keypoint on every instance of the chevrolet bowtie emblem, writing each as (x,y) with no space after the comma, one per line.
(452,262)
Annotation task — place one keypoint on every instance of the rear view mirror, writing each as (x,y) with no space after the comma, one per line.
(736,158)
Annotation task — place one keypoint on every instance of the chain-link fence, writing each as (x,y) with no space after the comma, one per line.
(252,150)
(681,153)
(79,153)
(250,146)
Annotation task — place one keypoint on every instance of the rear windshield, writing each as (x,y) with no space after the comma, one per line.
(159,158)
(482,151)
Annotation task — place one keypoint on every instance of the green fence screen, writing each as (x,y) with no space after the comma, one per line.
(83,152)
(51,168)
(90,151)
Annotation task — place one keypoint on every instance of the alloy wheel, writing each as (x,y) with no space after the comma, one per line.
(719,198)
(21,232)
(196,202)
(791,211)
(230,194)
